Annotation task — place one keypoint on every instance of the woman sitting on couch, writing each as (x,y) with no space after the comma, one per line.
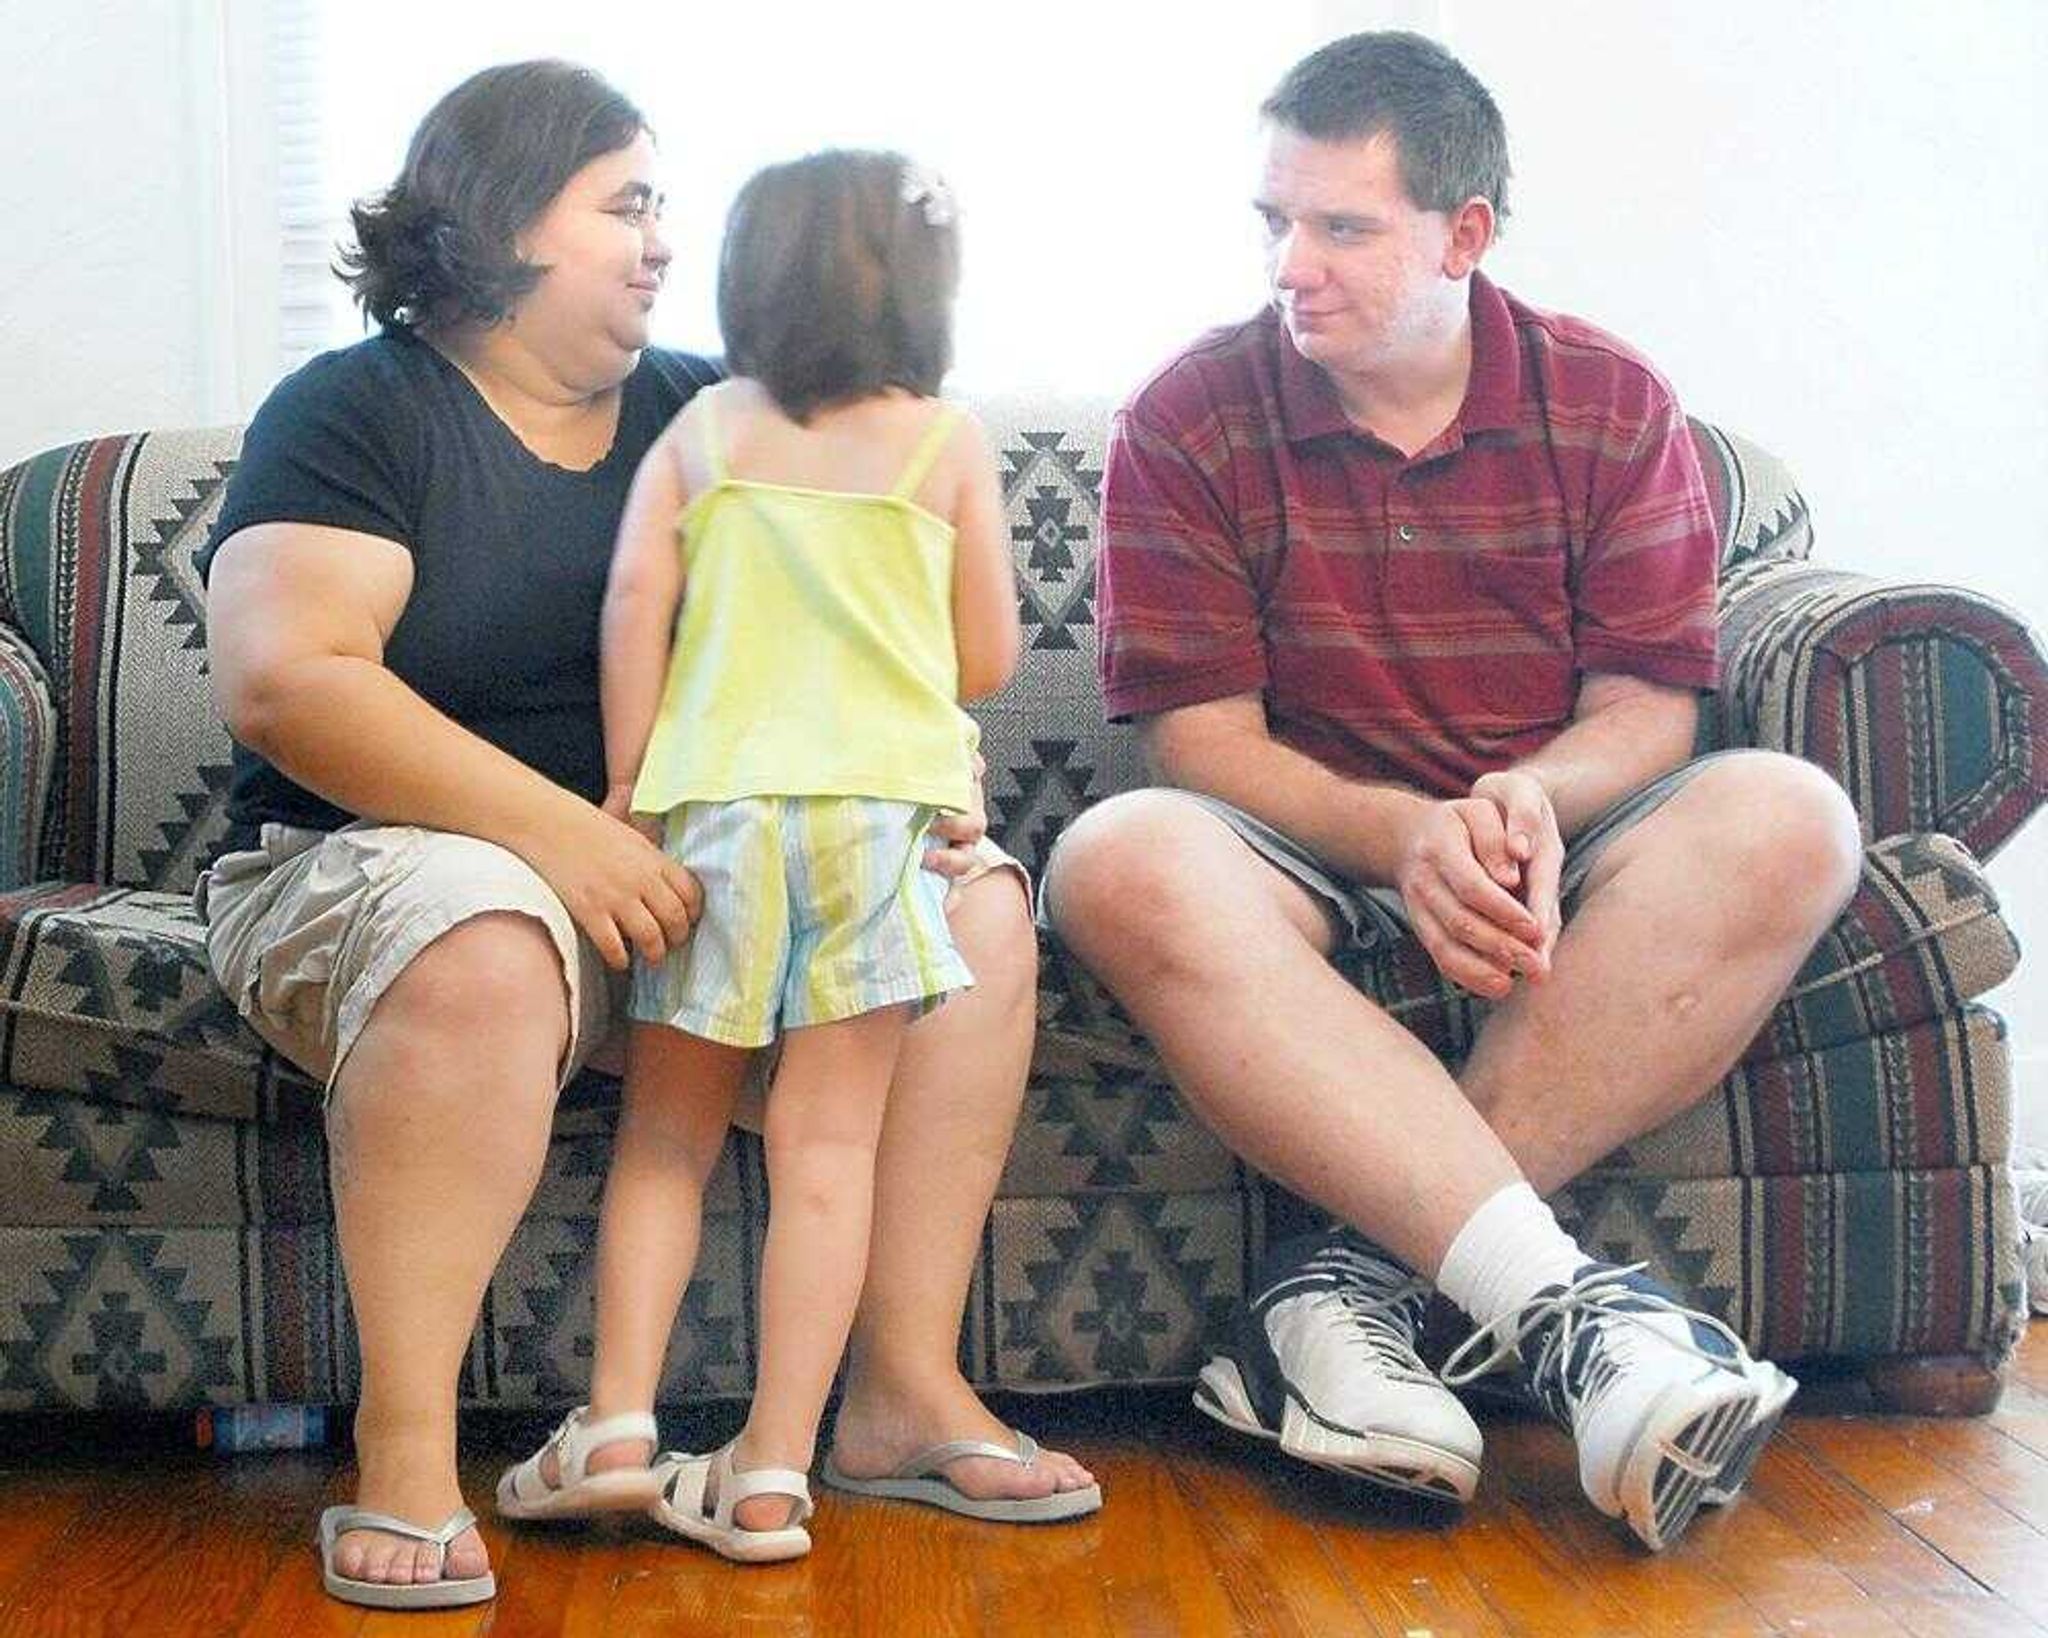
(421,902)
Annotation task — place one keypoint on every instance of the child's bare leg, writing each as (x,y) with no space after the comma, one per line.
(676,1107)
(824,1122)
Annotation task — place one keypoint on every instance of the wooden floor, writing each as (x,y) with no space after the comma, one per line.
(1853,1524)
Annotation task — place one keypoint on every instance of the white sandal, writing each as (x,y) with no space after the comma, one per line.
(524,1492)
(682,1506)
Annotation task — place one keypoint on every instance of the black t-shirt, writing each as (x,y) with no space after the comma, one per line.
(509,553)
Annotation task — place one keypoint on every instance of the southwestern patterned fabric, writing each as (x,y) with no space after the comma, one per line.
(165,1228)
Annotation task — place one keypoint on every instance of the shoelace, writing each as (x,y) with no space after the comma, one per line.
(1586,1305)
(1383,1301)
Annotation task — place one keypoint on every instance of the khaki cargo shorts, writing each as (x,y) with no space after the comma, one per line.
(307,930)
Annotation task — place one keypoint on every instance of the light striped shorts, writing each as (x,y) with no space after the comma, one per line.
(816,908)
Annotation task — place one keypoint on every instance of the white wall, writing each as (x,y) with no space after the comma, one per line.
(1823,220)
(107,205)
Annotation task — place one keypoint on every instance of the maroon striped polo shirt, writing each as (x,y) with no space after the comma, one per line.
(1419,621)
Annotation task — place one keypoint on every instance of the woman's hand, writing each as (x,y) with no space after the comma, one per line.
(957,833)
(626,895)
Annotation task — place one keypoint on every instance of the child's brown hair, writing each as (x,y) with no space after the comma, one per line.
(836,279)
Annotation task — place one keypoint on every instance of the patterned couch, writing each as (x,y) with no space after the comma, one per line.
(165,1228)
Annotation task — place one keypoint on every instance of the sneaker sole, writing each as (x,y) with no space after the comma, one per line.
(1687,1441)
(1728,1485)
(1406,1465)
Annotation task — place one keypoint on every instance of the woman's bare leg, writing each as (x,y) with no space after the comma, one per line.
(951,1116)
(437,1130)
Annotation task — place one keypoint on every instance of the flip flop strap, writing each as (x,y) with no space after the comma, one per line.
(937,1456)
(362,1518)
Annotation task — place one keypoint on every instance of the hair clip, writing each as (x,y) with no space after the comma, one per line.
(927,189)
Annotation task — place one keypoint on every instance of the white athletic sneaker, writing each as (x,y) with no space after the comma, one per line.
(1661,1400)
(1325,1364)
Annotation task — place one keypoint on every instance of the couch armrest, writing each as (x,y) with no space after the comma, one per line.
(1928,703)
(28,749)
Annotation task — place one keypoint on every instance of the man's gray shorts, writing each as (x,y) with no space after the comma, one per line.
(1368,917)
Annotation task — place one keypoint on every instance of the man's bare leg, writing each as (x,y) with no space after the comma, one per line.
(1223,961)
(437,1130)
(1246,1024)
(1689,929)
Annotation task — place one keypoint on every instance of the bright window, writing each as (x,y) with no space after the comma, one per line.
(1104,154)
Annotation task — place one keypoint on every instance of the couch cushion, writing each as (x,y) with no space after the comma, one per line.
(1936,1094)
(105,991)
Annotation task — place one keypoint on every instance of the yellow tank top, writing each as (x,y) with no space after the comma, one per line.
(814,652)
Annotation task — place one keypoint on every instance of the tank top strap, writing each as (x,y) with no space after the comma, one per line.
(707,417)
(929,443)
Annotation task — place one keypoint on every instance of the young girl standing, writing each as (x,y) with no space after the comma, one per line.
(811,574)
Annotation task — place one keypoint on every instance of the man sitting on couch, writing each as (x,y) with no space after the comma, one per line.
(1410,587)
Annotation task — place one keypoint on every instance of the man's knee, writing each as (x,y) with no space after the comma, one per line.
(1125,860)
(1784,833)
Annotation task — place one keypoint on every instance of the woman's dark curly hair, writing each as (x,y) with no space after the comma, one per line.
(438,246)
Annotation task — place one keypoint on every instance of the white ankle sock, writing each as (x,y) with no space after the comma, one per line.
(1508,1250)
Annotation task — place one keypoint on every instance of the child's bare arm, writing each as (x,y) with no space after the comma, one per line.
(640,603)
(985,628)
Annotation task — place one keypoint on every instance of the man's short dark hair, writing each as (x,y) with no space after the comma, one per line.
(439,245)
(1449,135)
(836,279)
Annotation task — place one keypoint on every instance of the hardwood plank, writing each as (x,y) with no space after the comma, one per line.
(1532,1581)
(665,1583)
(555,1580)
(1674,1592)
(292,1599)
(35,1510)
(1407,1574)
(1033,1581)
(878,1561)
(1979,1455)
(2022,1415)
(1789,1579)
(1849,1528)
(1388,1550)
(183,1549)
(1265,1558)
(1148,1552)
(1987,1542)
(1937,1616)
(1854,1524)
